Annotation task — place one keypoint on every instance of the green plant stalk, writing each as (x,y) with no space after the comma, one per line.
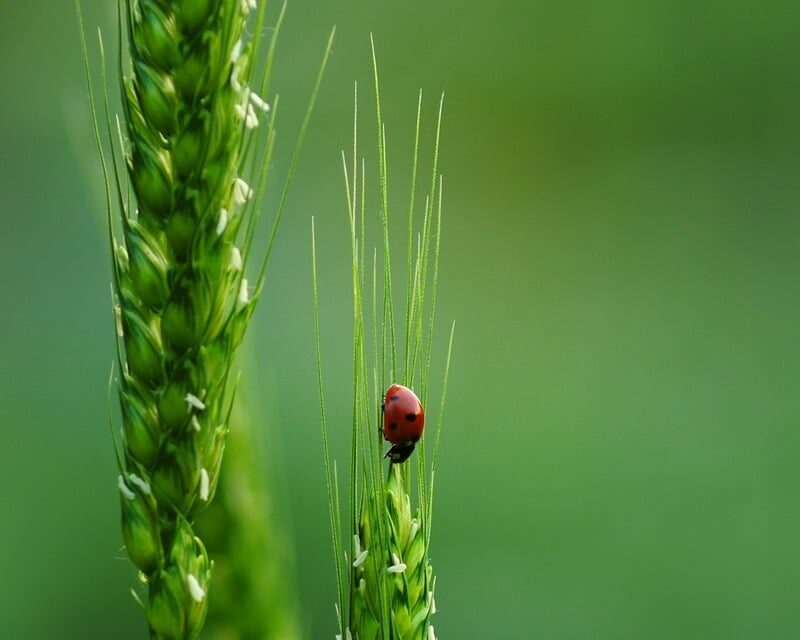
(384,577)
(253,597)
(182,300)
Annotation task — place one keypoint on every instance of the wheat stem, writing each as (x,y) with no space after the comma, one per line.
(244,530)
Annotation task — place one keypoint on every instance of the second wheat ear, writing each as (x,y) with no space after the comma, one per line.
(384,575)
(184,184)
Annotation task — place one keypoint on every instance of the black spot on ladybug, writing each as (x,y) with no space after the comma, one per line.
(395,397)
(393,425)
(411,417)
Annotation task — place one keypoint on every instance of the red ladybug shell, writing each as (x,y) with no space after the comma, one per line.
(403,416)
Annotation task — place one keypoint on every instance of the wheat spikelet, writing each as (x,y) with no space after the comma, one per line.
(183,300)
(192,104)
(391,575)
(384,576)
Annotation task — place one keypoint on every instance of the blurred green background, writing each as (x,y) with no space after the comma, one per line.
(622,254)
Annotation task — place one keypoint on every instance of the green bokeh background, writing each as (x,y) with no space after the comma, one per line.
(622,255)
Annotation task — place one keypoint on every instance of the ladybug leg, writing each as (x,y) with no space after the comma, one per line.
(380,429)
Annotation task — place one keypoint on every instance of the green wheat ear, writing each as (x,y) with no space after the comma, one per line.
(384,576)
(193,89)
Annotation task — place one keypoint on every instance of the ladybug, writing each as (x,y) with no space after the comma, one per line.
(403,421)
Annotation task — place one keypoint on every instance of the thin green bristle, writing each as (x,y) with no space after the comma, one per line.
(331,490)
(409,246)
(295,158)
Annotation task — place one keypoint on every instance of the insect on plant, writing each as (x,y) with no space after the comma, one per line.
(385,580)
(403,422)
